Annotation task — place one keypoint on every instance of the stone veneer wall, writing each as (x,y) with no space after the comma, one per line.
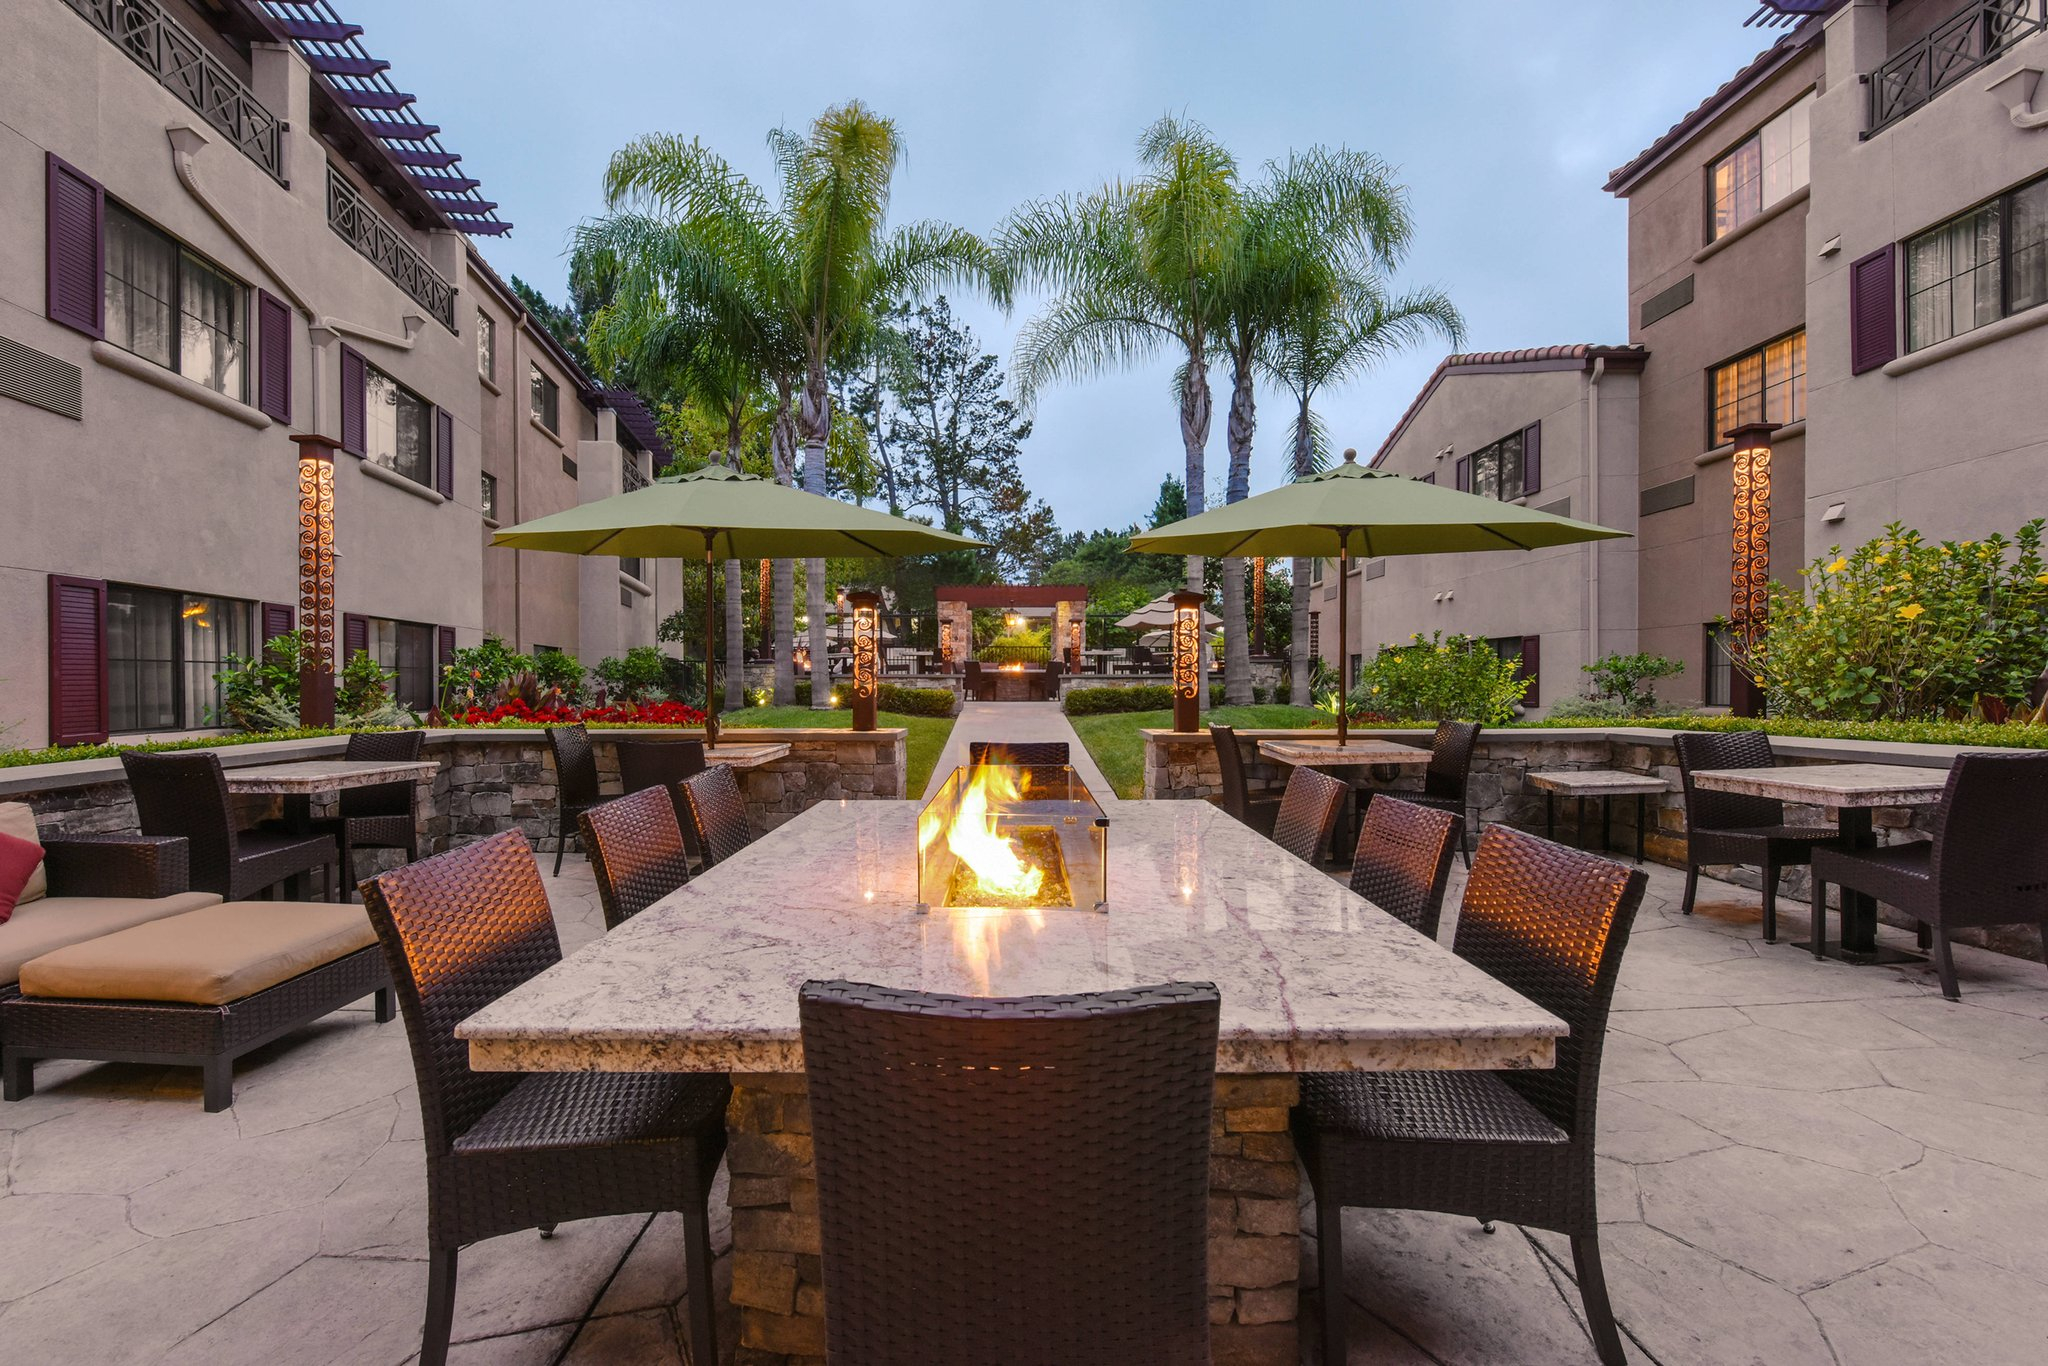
(1185,767)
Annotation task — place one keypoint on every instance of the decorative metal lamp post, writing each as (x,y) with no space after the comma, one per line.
(867,607)
(1750,577)
(1074,644)
(945,645)
(1187,660)
(316,577)
(1259,605)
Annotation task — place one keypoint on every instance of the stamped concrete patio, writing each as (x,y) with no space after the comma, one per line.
(1802,1163)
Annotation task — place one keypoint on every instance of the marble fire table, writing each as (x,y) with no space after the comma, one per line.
(1312,977)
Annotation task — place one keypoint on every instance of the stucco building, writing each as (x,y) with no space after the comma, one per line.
(224,226)
(1848,238)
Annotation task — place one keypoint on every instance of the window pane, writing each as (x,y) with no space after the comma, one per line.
(212,628)
(1717,677)
(1511,468)
(415,687)
(2028,267)
(489,500)
(141,286)
(1785,147)
(397,427)
(1738,187)
(1784,379)
(486,345)
(142,631)
(211,332)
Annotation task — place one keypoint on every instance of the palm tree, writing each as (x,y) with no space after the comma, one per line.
(1314,222)
(814,266)
(1135,267)
(1329,336)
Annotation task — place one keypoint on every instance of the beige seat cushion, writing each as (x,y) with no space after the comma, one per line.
(206,957)
(55,921)
(18,820)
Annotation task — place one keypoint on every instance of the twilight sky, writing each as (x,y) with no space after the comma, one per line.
(1504,117)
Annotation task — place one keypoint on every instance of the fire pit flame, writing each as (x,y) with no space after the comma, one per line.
(974,840)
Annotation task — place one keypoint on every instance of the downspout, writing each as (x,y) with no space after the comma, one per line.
(1593,505)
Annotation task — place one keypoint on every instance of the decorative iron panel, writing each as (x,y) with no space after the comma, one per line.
(169,51)
(1959,45)
(349,214)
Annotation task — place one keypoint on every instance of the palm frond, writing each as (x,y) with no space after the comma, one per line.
(1083,332)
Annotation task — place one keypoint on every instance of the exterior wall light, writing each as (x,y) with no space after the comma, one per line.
(316,577)
(867,607)
(1749,579)
(1187,661)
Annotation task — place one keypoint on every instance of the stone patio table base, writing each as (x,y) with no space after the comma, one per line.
(1254,1222)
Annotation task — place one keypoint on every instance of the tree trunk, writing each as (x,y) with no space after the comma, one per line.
(735,640)
(1299,667)
(1194,439)
(814,420)
(1237,643)
(782,449)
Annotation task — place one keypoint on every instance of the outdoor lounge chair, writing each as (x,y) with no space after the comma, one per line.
(1551,923)
(1404,859)
(508,1151)
(1027,1236)
(636,850)
(187,794)
(1732,827)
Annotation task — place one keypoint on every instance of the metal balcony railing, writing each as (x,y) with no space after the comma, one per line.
(167,50)
(349,214)
(1965,41)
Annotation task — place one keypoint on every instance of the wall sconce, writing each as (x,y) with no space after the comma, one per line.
(866,607)
(1013,622)
(316,577)
(1074,643)
(1749,579)
(945,644)
(1187,660)
(1259,605)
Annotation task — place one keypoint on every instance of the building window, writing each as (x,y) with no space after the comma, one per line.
(169,306)
(163,649)
(486,345)
(405,648)
(398,427)
(1767,385)
(544,399)
(1976,268)
(487,501)
(1717,671)
(630,566)
(1497,470)
(1764,168)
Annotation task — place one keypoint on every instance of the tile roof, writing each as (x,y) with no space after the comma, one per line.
(1532,357)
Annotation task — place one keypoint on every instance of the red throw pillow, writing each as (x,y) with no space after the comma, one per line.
(19,860)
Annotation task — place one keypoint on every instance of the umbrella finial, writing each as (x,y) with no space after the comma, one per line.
(1350,455)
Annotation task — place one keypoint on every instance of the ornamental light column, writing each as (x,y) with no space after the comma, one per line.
(866,607)
(316,577)
(1187,661)
(1749,579)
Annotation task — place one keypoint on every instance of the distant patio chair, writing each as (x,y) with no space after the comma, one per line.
(187,794)
(1734,827)
(665,764)
(1404,859)
(1025,753)
(1256,810)
(379,817)
(1449,775)
(575,781)
(636,851)
(1308,813)
(719,813)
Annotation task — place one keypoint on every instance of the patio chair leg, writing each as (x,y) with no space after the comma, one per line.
(697,1276)
(1945,965)
(1330,1275)
(1770,903)
(1923,935)
(1820,918)
(1593,1291)
(385,1005)
(440,1307)
(1692,885)
(17,1077)
(217,1084)
(546,1231)
(561,843)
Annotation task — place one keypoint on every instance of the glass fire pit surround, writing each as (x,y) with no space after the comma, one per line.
(1002,836)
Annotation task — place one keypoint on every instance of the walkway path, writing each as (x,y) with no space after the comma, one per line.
(1017,721)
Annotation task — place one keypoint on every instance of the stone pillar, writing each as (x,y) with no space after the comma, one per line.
(778,1278)
(1254,1223)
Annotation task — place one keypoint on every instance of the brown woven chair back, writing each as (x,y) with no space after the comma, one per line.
(1230,763)
(1026,753)
(575,764)
(187,794)
(1308,812)
(719,813)
(658,763)
(1706,809)
(1990,858)
(636,851)
(460,930)
(1404,858)
(1551,923)
(1450,759)
(1041,1162)
(387,747)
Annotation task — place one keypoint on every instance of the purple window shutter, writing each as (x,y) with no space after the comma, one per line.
(1532,669)
(78,660)
(444,452)
(274,356)
(355,635)
(1464,474)
(278,619)
(444,654)
(1873,311)
(1532,458)
(354,436)
(75,250)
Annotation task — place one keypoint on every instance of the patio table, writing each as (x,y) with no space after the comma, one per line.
(1604,785)
(1312,977)
(311,777)
(1851,791)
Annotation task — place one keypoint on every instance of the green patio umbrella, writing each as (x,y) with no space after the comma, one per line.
(1354,509)
(725,514)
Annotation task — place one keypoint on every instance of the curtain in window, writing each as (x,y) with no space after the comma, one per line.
(211,333)
(142,287)
(1953,278)
(142,629)
(2029,234)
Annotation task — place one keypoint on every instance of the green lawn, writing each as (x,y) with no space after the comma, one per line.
(1120,750)
(927,733)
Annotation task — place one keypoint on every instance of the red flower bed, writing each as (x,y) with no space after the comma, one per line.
(518,712)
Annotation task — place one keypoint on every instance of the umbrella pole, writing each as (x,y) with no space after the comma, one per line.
(1343,641)
(710,701)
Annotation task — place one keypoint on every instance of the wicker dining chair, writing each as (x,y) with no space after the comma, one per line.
(1404,859)
(1551,923)
(575,782)
(1260,810)
(1986,864)
(380,817)
(1012,1180)
(1309,811)
(1024,753)
(636,851)
(187,794)
(664,764)
(1446,780)
(508,1151)
(718,812)
(1732,827)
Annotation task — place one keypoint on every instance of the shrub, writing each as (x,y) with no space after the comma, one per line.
(905,701)
(1443,678)
(1621,679)
(1098,701)
(1591,709)
(559,672)
(257,694)
(1901,629)
(643,671)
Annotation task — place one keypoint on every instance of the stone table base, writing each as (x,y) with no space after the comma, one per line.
(1254,1222)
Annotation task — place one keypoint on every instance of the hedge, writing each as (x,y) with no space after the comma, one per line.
(1980,733)
(65,754)
(1097,701)
(897,698)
